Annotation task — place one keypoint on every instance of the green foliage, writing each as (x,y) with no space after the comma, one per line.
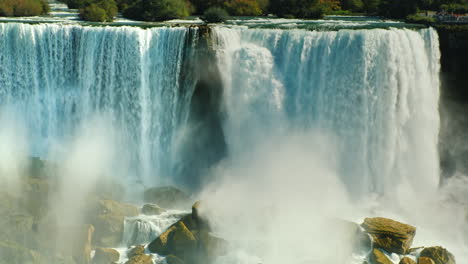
(243,7)
(415,19)
(371,6)
(352,5)
(99,11)
(455,8)
(23,7)
(397,8)
(215,15)
(202,5)
(157,10)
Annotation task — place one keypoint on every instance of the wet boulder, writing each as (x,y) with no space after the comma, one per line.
(390,235)
(439,255)
(140,259)
(407,260)
(167,197)
(105,256)
(378,257)
(424,260)
(135,251)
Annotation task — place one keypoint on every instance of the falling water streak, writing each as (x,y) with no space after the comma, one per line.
(377,90)
(58,76)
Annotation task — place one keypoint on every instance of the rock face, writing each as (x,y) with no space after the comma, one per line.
(407,260)
(390,235)
(439,255)
(140,259)
(152,209)
(424,260)
(105,256)
(189,241)
(167,197)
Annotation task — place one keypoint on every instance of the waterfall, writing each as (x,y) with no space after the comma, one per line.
(58,76)
(376,91)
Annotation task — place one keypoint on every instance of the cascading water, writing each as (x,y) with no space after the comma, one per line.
(59,76)
(375,90)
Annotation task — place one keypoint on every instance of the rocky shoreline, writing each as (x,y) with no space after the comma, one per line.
(29,230)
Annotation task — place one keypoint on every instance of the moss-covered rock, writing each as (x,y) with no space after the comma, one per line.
(407,260)
(140,259)
(378,257)
(178,240)
(424,260)
(106,256)
(440,255)
(390,235)
(167,197)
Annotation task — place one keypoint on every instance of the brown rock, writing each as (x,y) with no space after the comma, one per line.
(424,260)
(439,255)
(378,257)
(152,209)
(390,235)
(135,251)
(105,256)
(178,240)
(140,259)
(407,260)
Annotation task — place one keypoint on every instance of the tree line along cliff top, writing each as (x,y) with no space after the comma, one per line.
(217,10)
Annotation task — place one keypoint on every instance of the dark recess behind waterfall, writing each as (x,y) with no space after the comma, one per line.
(453,139)
(204,145)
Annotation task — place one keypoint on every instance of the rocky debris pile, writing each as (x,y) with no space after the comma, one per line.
(189,241)
(390,236)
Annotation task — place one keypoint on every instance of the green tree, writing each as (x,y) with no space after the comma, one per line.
(371,6)
(23,7)
(215,15)
(202,5)
(353,5)
(398,8)
(243,7)
(157,10)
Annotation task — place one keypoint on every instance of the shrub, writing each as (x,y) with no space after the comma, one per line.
(243,7)
(100,11)
(157,10)
(23,7)
(215,15)
(93,13)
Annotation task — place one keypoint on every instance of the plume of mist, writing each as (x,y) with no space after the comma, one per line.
(82,164)
(282,202)
(13,151)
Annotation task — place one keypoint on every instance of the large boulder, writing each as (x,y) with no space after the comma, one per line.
(167,197)
(440,255)
(140,259)
(108,218)
(105,256)
(390,235)
(424,260)
(177,240)
(152,209)
(407,260)
(189,240)
(378,257)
